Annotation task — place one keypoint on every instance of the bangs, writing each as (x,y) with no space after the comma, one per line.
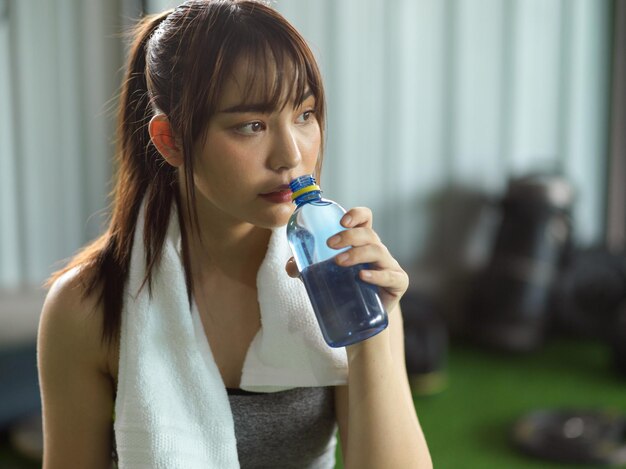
(271,61)
(274,76)
(277,66)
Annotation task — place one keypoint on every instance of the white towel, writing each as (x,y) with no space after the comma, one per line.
(172,409)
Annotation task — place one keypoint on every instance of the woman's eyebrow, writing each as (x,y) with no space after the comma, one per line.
(307,94)
(263,108)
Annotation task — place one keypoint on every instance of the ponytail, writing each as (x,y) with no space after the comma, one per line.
(104,264)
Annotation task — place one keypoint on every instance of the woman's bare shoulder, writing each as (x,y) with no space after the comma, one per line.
(67,302)
(71,320)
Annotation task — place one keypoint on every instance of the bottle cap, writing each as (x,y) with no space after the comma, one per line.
(302,185)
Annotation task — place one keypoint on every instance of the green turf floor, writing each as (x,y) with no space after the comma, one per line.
(468,424)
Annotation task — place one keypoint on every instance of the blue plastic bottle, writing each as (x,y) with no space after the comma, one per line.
(348,310)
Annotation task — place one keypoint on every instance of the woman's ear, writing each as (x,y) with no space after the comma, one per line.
(164,140)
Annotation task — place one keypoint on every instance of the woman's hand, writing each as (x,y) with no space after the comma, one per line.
(385,272)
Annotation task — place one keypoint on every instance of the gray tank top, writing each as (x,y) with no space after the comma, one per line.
(286,429)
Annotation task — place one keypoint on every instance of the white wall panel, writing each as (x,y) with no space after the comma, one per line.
(535,112)
(477,86)
(64,58)
(423,95)
(417,129)
(11,246)
(474,92)
(586,142)
(37,132)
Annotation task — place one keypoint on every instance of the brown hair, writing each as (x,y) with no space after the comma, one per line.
(178,64)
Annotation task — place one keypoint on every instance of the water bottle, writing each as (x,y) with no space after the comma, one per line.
(348,310)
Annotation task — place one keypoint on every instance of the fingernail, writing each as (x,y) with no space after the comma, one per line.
(366,273)
(342,257)
(347,220)
(334,240)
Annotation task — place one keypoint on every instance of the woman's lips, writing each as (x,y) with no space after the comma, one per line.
(277,197)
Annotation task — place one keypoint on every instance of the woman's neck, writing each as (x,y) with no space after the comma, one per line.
(222,245)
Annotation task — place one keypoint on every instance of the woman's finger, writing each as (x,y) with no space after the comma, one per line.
(354,237)
(292,268)
(394,281)
(375,254)
(357,216)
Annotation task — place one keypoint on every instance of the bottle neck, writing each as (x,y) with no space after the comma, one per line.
(308,197)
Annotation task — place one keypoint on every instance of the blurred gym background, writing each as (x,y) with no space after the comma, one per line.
(488,138)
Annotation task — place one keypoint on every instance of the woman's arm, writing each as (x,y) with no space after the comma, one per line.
(378,426)
(76,386)
(377,420)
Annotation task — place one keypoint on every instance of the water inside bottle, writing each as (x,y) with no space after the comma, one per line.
(342,302)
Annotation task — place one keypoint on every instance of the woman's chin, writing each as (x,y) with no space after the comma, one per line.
(276,217)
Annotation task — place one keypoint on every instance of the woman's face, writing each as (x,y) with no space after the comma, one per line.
(243,167)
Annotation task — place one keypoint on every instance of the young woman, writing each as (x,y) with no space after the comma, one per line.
(148,335)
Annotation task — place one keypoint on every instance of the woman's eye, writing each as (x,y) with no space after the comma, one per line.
(305,116)
(251,128)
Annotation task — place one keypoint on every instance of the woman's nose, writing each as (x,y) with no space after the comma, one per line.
(286,152)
